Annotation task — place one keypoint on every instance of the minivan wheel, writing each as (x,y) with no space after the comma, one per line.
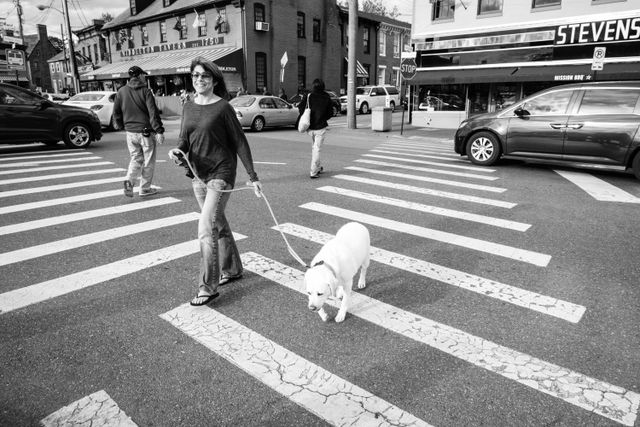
(258,124)
(636,165)
(364,108)
(77,135)
(483,149)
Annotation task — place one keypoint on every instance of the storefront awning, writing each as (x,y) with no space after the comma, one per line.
(168,63)
(360,70)
(560,73)
(12,78)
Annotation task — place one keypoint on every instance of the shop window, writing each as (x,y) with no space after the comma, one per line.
(221,21)
(544,3)
(202,24)
(163,31)
(366,45)
(258,13)
(382,74)
(302,73)
(441,98)
(489,6)
(382,43)
(261,71)
(183,27)
(301,28)
(442,9)
(144,35)
(396,45)
(316,30)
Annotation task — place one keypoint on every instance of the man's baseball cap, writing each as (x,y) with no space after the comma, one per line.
(136,71)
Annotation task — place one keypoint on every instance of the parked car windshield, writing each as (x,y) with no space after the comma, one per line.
(242,101)
(87,97)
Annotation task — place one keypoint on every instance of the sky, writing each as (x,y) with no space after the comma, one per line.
(82,12)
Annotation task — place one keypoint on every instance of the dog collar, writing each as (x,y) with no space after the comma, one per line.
(331,270)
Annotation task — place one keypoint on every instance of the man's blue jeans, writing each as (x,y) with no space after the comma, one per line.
(218,250)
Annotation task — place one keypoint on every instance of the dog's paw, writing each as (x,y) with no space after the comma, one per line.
(340,317)
(361,285)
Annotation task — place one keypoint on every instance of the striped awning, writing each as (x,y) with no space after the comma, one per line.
(12,78)
(360,70)
(173,62)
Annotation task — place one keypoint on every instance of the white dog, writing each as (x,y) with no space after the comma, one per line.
(334,267)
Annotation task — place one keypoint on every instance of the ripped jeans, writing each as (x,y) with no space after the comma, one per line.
(218,251)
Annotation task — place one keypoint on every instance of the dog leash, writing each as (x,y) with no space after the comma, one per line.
(247,186)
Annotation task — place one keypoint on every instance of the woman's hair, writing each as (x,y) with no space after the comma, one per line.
(220,88)
(317,86)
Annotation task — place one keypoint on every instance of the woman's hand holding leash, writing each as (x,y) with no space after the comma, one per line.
(257,188)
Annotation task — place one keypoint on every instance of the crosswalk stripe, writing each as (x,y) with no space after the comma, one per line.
(450,213)
(513,295)
(39,292)
(427,191)
(59,175)
(80,216)
(597,188)
(429,170)
(426,153)
(429,143)
(535,258)
(610,401)
(47,188)
(448,165)
(49,248)
(14,157)
(42,162)
(50,168)
(95,409)
(319,391)
(59,201)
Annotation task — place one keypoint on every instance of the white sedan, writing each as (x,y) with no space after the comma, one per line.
(260,111)
(101,102)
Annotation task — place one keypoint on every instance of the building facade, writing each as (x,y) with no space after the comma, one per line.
(38,55)
(92,49)
(282,44)
(476,56)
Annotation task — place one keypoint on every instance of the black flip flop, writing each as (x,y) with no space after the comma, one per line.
(208,299)
(224,280)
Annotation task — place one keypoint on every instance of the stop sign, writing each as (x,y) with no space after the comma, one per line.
(408,68)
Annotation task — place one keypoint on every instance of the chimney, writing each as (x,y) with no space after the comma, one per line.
(42,32)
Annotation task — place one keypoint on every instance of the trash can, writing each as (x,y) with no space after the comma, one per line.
(381,119)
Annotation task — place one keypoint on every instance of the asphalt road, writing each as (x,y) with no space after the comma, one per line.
(496,296)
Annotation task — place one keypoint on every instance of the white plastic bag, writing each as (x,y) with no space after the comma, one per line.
(305,118)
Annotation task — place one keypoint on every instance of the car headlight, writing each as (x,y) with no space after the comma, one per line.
(96,107)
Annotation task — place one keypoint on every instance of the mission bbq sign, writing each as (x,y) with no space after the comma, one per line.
(614,30)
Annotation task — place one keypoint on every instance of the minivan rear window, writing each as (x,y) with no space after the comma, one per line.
(609,101)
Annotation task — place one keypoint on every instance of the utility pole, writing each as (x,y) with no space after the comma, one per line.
(72,53)
(351,66)
(19,10)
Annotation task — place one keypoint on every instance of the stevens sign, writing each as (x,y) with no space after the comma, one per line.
(600,31)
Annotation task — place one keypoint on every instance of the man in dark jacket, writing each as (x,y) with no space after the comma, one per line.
(135,111)
(321,111)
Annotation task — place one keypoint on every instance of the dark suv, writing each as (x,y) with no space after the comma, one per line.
(595,122)
(28,117)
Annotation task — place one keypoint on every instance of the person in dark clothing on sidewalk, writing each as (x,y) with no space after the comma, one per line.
(321,111)
(135,111)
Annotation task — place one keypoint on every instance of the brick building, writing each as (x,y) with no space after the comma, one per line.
(37,56)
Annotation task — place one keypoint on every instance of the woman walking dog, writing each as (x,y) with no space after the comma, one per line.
(212,137)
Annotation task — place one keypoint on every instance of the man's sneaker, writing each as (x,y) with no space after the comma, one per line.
(149,192)
(314,176)
(128,188)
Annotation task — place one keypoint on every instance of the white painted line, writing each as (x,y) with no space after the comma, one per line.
(33,190)
(97,409)
(35,144)
(607,400)
(80,216)
(39,292)
(43,162)
(49,248)
(17,156)
(270,163)
(429,170)
(426,191)
(535,258)
(597,188)
(465,167)
(520,297)
(399,149)
(59,175)
(450,213)
(50,168)
(324,394)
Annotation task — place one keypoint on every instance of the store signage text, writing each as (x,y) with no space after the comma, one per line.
(601,31)
(571,77)
(165,47)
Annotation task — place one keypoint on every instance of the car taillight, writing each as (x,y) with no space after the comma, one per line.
(96,107)
(238,113)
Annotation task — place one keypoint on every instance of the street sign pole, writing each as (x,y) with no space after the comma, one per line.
(408,69)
